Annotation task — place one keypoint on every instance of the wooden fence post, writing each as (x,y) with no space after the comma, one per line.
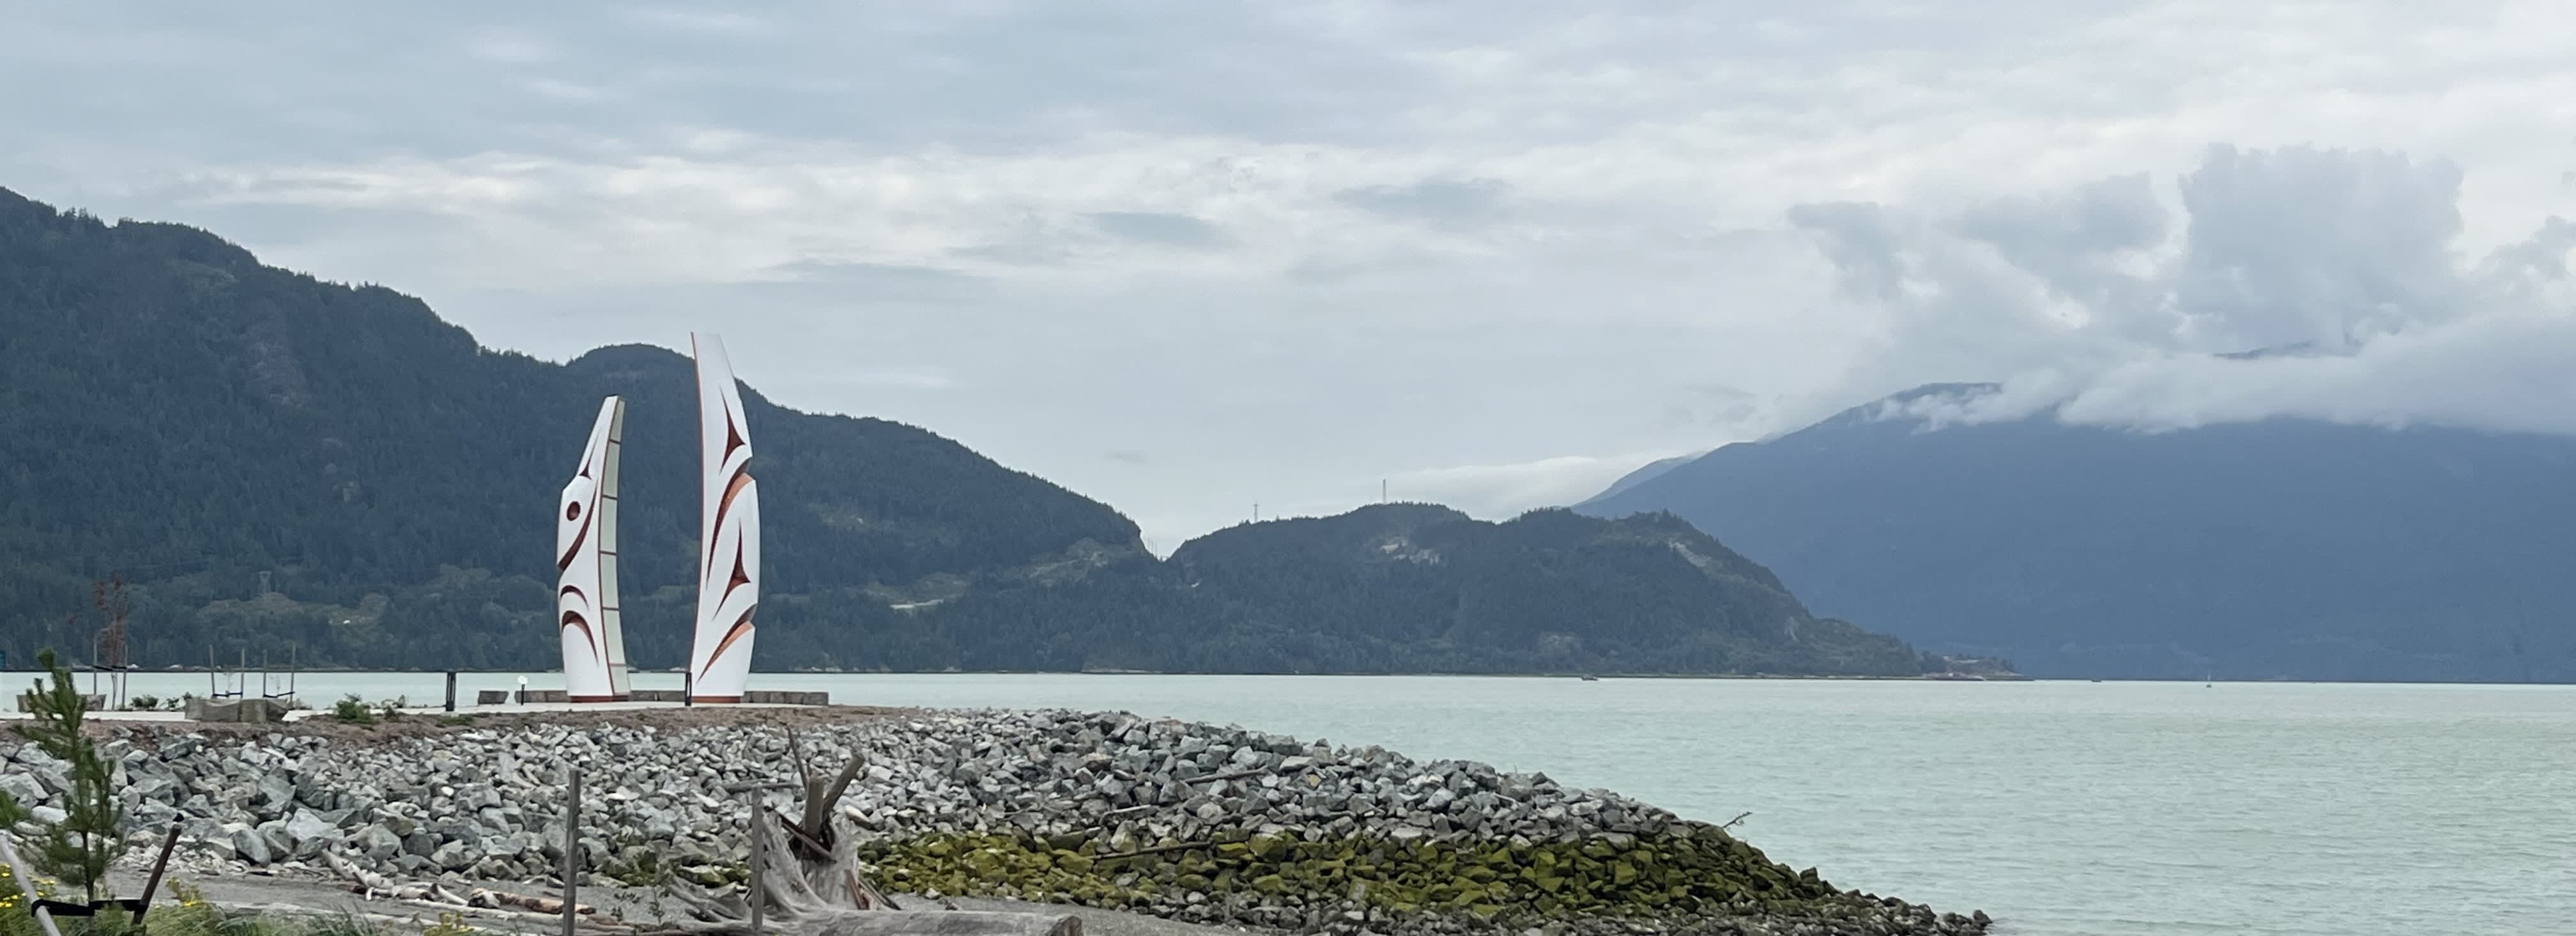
(572,850)
(757,854)
(159,865)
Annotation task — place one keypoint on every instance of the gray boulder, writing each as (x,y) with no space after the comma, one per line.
(378,843)
(274,793)
(153,813)
(151,786)
(307,826)
(453,856)
(508,845)
(219,849)
(250,845)
(23,788)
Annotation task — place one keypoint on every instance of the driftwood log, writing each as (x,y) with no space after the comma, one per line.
(793,905)
(814,885)
(824,849)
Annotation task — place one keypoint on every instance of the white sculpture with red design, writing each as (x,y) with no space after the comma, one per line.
(729,544)
(594,649)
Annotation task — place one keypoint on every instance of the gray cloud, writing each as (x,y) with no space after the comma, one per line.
(2344,261)
(2303,244)
(878,281)
(705,22)
(1156,228)
(1439,201)
(1297,248)
(2080,245)
(1719,410)
(2501,373)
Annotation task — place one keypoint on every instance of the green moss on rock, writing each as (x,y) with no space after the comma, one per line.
(1698,870)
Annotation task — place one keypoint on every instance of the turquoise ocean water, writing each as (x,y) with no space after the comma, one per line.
(2076,808)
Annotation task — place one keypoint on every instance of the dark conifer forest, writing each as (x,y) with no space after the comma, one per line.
(173,412)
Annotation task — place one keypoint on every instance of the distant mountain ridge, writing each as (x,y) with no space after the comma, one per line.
(1401,586)
(174,412)
(2277,549)
(1647,472)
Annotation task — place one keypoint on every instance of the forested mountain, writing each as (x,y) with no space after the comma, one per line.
(173,412)
(1422,587)
(2278,549)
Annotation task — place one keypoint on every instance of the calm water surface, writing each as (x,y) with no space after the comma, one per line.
(2086,809)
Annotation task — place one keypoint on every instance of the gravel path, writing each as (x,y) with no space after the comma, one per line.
(330,898)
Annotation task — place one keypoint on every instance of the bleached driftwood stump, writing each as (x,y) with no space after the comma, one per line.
(811,883)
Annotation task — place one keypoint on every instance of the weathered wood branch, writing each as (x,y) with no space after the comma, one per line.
(702,906)
(797,832)
(796,752)
(820,800)
(1156,850)
(552,906)
(1228,775)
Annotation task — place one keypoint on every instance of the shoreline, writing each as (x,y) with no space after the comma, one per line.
(1176,820)
(1927,677)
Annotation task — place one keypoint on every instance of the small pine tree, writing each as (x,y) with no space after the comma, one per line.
(80,848)
(11,813)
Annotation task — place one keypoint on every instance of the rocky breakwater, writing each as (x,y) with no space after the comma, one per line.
(1186,821)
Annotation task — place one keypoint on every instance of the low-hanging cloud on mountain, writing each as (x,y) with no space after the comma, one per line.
(2123,303)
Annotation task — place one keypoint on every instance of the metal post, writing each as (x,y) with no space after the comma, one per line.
(572,849)
(451,690)
(756,855)
(688,688)
(27,885)
(159,865)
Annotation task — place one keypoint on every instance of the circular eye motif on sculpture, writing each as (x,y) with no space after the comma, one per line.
(572,511)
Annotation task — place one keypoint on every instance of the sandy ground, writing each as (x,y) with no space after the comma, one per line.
(324,897)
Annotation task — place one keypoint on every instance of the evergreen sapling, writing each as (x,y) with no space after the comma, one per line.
(80,848)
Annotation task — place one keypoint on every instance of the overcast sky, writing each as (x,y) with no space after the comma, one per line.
(1188,256)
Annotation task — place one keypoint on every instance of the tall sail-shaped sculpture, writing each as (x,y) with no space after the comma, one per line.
(594,649)
(729,543)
